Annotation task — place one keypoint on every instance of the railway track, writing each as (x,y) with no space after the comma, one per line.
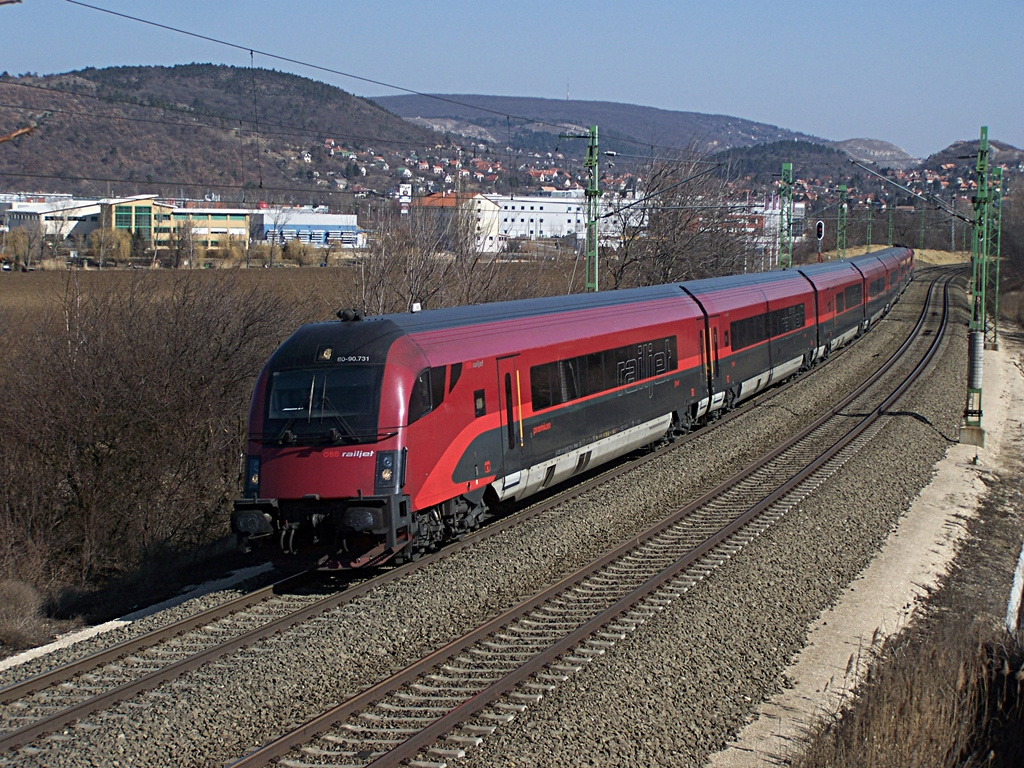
(48,702)
(448,701)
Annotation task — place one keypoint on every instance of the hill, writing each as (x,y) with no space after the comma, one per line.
(189,129)
(762,164)
(254,134)
(962,154)
(622,126)
(881,153)
(627,128)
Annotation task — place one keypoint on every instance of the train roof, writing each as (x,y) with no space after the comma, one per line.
(609,309)
(518,309)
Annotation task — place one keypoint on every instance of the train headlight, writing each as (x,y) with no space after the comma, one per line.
(252,476)
(387,471)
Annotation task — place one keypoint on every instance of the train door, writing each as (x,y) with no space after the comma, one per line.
(510,401)
(710,358)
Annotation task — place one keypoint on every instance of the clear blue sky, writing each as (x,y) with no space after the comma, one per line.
(907,71)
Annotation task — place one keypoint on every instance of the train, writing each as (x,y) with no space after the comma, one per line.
(377,439)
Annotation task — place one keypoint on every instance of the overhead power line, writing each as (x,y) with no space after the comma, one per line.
(319,67)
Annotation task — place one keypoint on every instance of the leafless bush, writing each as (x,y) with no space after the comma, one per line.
(21,620)
(429,258)
(123,421)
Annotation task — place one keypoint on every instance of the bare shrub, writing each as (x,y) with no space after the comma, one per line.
(21,621)
(429,258)
(124,418)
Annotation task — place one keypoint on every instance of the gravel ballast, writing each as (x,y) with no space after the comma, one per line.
(672,692)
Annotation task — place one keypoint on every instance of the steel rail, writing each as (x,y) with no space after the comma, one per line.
(427,736)
(149,681)
(86,663)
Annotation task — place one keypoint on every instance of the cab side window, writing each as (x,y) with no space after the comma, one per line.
(419,401)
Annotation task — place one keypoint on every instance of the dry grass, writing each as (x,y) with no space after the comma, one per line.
(946,698)
(931,256)
(925,256)
(320,292)
(21,618)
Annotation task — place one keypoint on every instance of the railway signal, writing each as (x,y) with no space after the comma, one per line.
(819,232)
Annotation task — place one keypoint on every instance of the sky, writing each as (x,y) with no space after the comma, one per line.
(918,73)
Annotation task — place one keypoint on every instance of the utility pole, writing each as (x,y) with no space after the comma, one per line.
(841,224)
(891,209)
(868,244)
(920,239)
(592,193)
(972,432)
(786,217)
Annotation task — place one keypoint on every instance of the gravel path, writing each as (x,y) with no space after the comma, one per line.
(668,695)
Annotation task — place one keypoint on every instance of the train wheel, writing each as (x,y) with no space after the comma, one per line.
(730,400)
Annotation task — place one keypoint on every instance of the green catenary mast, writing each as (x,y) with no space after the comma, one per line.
(992,291)
(786,217)
(592,194)
(868,236)
(972,432)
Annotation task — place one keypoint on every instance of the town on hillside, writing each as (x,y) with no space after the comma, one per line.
(541,203)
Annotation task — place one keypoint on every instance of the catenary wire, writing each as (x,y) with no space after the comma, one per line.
(320,67)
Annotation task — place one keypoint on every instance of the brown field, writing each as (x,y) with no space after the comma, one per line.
(317,292)
(321,291)
(926,256)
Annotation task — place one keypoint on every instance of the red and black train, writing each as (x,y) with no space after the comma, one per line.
(387,436)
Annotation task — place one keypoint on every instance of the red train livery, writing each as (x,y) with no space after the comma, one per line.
(387,436)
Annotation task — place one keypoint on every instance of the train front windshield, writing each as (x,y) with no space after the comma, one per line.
(316,405)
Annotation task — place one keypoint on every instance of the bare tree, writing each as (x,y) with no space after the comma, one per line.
(109,245)
(57,228)
(183,244)
(278,218)
(428,258)
(26,243)
(680,228)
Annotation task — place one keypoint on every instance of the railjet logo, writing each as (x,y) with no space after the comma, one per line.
(356,454)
